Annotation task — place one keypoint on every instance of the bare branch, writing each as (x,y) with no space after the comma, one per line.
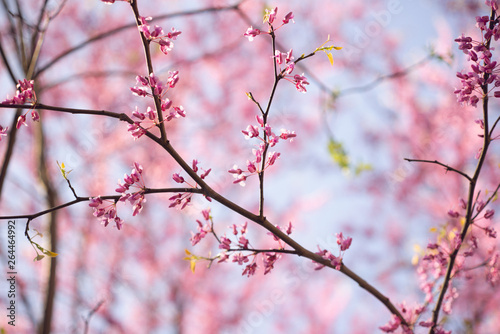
(448,168)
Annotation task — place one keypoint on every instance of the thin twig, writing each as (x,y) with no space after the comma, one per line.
(91,313)
(80,199)
(114,31)
(448,168)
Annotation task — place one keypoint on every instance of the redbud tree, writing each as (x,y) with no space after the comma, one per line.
(260,193)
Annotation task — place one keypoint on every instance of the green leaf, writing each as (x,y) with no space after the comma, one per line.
(330,57)
(362,167)
(44,251)
(338,154)
(38,257)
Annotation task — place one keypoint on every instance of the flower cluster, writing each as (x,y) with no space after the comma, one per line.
(107,212)
(435,260)
(336,261)
(183,199)
(268,258)
(269,139)
(148,119)
(269,17)
(480,207)
(24,94)
(135,180)
(203,229)
(157,35)
(411,316)
(484,69)
(300,81)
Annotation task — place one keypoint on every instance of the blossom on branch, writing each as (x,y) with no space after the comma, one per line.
(268,139)
(157,35)
(484,69)
(24,94)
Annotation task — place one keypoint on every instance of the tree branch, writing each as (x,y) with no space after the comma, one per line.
(448,168)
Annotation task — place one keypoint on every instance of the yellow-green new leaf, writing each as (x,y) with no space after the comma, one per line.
(38,257)
(44,251)
(330,58)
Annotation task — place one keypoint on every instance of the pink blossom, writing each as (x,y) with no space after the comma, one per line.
(480,206)
(35,116)
(195,238)
(463,204)
(260,120)
(289,68)
(225,243)
(118,223)
(240,258)
(269,261)
(429,323)
(243,242)
(251,167)
(138,205)
(205,174)
(335,261)
(279,57)
(235,170)
(392,325)
(258,154)
(173,78)
(206,214)
(490,232)
(251,132)
(177,178)
(288,18)
(250,269)
(289,228)
(270,15)
(300,82)
(139,91)
(223,257)
(235,230)
(94,202)
(286,134)
(344,243)
(489,214)
(122,188)
(137,114)
(268,130)
(272,158)
(166,46)
(180,111)
(136,130)
(273,140)
(3,131)
(173,34)
(240,179)
(157,35)
(251,33)
(21,121)
(244,228)
(166,104)
(142,80)
(187,200)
